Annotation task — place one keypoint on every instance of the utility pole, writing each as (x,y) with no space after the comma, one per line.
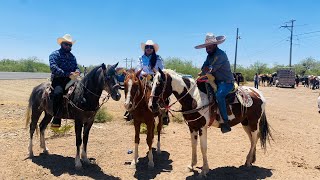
(291,30)
(128,60)
(235,56)
(131,62)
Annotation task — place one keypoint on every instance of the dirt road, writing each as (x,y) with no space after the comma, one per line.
(294,154)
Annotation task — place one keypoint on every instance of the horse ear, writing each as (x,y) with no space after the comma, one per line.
(162,74)
(138,73)
(103,66)
(115,65)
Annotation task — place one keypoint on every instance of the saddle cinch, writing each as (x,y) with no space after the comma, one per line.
(236,95)
(48,92)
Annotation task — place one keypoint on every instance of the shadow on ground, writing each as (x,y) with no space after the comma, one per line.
(162,163)
(59,165)
(242,172)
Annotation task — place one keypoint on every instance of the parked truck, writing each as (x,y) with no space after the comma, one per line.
(285,77)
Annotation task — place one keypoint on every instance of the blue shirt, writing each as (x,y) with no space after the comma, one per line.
(219,65)
(144,64)
(62,63)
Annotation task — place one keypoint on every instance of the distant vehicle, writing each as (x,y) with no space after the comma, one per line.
(187,76)
(120,78)
(285,77)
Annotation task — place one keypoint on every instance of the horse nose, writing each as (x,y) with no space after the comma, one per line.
(126,105)
(154,107)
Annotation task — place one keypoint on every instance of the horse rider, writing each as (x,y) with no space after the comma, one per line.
(63,66)
(218,65)
(149,62)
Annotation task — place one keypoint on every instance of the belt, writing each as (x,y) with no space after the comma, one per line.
(227,81)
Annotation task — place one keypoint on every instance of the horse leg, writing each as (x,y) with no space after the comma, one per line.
(159,128)
(253,136)
(150,136)
(86,131)
(78,129)
(203,144)
(35,115)
(43,125)
(136,142)
(194,142)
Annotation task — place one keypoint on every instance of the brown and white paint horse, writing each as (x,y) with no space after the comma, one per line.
(194,103)
(137,93)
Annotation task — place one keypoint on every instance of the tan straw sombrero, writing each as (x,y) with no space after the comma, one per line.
(151,43)
(211,39)
(66,38)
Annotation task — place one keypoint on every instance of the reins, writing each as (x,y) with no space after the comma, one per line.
(168,107)
(134,106)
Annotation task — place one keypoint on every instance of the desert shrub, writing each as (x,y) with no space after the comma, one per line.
(102,116)
(178,118)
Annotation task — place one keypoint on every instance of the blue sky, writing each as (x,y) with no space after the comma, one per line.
(112,30)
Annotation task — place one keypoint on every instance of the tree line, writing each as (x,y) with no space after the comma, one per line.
(308,66)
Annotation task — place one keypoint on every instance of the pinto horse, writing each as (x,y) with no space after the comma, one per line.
(82,105)
(195,110)
(137,93)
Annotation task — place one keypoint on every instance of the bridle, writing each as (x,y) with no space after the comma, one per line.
(105,99)
(135,105)
(168,107)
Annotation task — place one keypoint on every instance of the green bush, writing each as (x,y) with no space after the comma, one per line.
(102,116)
(178,118)
(143,129)
(62,130)
(181,66)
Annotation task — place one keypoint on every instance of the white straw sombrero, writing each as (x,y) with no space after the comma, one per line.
(211,39)
(150,42)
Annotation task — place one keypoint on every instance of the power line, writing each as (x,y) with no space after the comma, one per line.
(127,61)
(312,32)
(290,27)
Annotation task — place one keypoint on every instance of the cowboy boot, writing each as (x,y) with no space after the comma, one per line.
(225,127)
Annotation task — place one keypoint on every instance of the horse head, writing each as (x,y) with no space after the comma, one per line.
(111,84)
(132,89)
(161,90)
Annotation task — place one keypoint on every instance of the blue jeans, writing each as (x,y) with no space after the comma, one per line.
(256,84)
(222,92)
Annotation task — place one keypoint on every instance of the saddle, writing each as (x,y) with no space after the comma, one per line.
(47,95)
(238,94)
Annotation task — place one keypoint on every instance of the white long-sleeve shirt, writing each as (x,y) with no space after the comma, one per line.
(144,61)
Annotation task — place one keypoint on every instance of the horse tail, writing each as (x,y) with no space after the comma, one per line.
(28,114)
(265,133)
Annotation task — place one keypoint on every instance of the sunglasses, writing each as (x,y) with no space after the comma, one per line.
(67,44)
(148,47)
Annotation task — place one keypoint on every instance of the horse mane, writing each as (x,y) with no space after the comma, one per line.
(171,72)
(91,73)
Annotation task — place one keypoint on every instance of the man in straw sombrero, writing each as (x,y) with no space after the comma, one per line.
(63,66)
(218,65)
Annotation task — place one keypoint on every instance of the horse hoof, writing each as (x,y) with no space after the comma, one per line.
(189,168)
(86,161)
(46,152)
(78,167)
(248,165)
(31,154)
(150,165)
(204,173)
